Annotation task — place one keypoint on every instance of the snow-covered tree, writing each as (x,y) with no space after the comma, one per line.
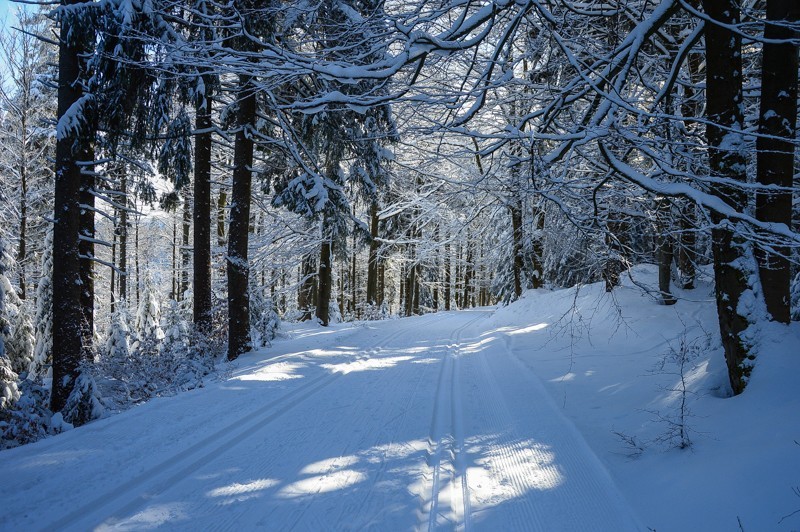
(43,335)
(147,328)
(9,391)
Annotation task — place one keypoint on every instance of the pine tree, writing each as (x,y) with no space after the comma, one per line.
(9,391)
(40,367)
(147,328)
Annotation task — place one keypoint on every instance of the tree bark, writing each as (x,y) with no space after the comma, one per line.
(123,236)
(775,149)
(537,257)
(67,315)
(518,263)
(372,260)
(687,254)
(325,277)
(23,216)
(448,280)
(665,251)
(185,249)
(201,215)
(305,296)
(86,245)
(724,100)
(238,267)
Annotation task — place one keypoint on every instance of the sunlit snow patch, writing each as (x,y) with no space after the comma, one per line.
(280,371)
(333,481)
(525,330)
(150,518)
(240,489)
(365,364)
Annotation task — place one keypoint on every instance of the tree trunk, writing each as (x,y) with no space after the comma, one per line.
(775,148)
(222,204)
(402,291)
(448,280)
(174,291)
(664,251)
(123,237)
(688,245)
(725,123)
(325,282)
(437,268)
(467,276)
(201,215)
(516,246)
(372,260)
(238,267)
(537,281)
(381,281)
(305,296)
(342,269)
(67,315)
(86,245)
(353,274)
(185,249)
(23,218)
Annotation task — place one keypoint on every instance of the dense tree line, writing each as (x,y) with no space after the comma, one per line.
(354,159)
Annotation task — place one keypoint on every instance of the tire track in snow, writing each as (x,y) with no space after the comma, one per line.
(170,471)
(448,436)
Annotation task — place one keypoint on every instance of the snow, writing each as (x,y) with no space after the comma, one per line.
(487,419)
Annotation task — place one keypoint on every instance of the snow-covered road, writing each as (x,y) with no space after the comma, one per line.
(420,423)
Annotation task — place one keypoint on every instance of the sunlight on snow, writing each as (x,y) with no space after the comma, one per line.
(425,361)
(149,518)
(365,364)
(333,481)
(525,330)
(474,347)
(324,466)
(241,489)
(50,459)
(280,371)
(529,466)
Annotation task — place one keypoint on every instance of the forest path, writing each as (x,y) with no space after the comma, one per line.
(422,423)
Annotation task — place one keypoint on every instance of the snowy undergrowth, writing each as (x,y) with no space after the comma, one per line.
(633,375)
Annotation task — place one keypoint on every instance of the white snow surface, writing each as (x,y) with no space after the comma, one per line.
(487,419)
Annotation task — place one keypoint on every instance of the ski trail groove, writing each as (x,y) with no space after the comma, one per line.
(449,437)
(207,448)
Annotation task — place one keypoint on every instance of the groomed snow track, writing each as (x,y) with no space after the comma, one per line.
(425,423)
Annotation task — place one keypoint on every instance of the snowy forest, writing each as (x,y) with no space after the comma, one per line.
(192,189)
(180,179)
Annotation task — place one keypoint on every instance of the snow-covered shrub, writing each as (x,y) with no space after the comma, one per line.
(21,343)
(264,319)
(9,391)
(84,402)
(28,419)
(334,314)
(795,297)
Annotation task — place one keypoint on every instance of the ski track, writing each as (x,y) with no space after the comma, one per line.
(448,440)
(429,423)
(200,453)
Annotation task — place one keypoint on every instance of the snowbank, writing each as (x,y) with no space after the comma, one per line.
(646,385)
